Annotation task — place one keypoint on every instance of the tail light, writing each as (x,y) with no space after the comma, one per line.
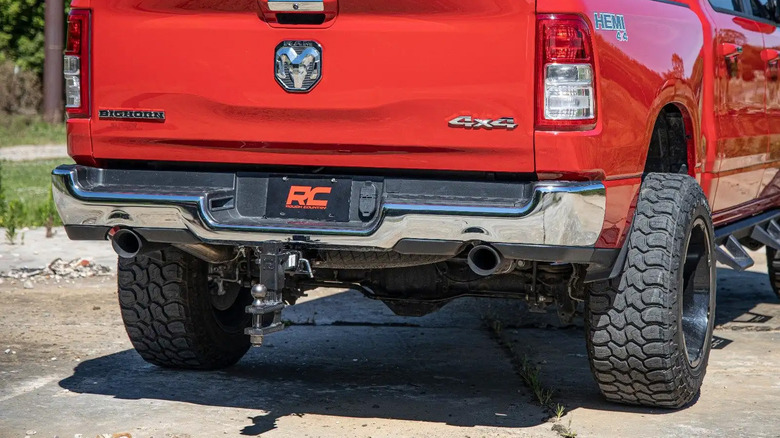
(76,64)
(566,91)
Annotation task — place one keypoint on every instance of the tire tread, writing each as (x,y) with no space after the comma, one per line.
(773,262)
(165,306)
(631,322)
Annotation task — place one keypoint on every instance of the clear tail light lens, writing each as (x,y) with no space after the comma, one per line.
(76,64)
(568,92)
(72,72)
(566,84)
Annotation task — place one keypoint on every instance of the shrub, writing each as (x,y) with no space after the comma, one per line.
(13,217)
(47,213)
(21,33)
(20,90)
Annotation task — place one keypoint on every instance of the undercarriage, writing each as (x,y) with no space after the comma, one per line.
(278,275)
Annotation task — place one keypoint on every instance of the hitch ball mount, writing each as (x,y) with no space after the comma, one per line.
(266,309)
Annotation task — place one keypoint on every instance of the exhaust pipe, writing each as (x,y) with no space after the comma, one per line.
(126,243)
(214,254)
(484,260)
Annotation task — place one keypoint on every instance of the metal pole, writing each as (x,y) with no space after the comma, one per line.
(52,67)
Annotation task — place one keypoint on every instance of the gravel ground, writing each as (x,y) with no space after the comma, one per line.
(28,153)
(38,251)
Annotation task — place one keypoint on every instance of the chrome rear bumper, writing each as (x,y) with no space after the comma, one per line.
(567,214)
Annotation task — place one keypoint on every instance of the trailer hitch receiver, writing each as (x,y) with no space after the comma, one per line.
(266,309)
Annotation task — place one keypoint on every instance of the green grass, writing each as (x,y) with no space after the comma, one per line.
(26,193)
(23,130)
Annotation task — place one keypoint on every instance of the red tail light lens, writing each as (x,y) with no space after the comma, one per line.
(77,64)
(566,97)
(566,41)
(74,34)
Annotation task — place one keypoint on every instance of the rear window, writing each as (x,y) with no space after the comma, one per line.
(728,5)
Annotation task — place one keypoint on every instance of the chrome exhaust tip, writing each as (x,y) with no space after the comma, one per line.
(485,261)
(126,243)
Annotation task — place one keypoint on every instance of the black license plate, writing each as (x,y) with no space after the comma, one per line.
(309,198)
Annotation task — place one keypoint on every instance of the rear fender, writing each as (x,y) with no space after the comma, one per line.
(633,84)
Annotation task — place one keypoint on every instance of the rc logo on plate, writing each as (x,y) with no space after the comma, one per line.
(306,197)
(298,65)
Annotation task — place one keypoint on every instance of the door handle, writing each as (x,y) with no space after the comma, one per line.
(769,55)
(730,50)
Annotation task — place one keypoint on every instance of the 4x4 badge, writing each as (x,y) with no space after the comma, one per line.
(469,122)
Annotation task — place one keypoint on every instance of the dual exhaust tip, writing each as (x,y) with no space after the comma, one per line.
(483,260)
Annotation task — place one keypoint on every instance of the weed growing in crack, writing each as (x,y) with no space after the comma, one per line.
(560,411)
(564,431)
(530,374)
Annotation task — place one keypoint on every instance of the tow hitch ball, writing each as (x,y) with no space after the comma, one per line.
(266,309)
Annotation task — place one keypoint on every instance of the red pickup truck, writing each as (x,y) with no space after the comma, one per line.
(595,155)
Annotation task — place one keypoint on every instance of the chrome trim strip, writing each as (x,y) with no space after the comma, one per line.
(297,6)
(566,214)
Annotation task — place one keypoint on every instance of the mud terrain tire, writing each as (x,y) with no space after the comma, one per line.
(649,330)
(167,310)
(773,260)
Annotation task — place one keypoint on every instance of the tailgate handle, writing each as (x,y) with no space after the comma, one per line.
(296,6)
(283,13)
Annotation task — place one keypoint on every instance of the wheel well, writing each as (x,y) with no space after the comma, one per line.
(668,151)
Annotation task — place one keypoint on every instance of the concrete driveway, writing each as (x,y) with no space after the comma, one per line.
(348,368)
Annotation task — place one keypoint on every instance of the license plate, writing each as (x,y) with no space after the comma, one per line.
(309,198)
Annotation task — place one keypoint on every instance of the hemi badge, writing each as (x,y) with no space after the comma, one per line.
(611,22)
(134,115)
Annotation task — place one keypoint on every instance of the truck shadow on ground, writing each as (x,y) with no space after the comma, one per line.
(453,373)
(440,372)
(740,297)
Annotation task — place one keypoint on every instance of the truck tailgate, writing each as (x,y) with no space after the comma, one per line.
(393,74)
